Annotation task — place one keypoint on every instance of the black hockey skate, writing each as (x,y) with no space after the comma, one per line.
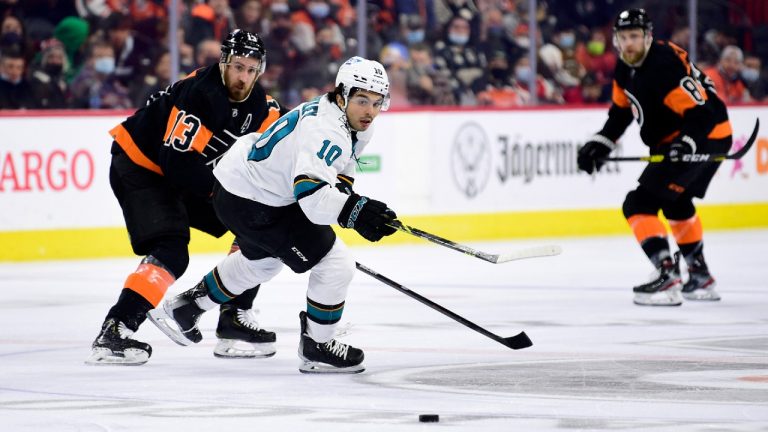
(329,357)
(240,336)
(113,346)
(700,285)
(664,288)
(178,316)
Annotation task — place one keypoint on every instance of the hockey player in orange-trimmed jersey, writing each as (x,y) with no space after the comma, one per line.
(678,113)
(161,173)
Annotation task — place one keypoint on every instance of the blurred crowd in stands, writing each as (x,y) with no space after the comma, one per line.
(99,54)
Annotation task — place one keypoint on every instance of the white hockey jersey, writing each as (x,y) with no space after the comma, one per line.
(296,159)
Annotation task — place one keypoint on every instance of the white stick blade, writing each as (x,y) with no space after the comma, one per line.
(533,252)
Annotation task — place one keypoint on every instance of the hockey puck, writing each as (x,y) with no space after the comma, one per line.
(429,418)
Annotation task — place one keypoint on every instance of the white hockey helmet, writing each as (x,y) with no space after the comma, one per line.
(366,75)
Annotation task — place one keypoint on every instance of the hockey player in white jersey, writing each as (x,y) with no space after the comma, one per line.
(279,193)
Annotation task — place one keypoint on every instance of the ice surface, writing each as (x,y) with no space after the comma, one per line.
(599,362)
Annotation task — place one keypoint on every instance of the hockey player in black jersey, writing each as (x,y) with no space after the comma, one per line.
(161,173)
(678,113)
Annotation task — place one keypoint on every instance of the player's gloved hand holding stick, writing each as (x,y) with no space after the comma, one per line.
(591,157)
(682,146)
(681,151)
(370,218)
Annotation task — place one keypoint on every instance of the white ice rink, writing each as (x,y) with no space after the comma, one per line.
(599,363)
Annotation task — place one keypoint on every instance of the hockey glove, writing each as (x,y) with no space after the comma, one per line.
(590,156)
(682,146)
(345,184)
(370,218)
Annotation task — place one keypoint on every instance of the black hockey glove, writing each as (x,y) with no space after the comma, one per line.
(682,146)
(368,217)
(589,157)
(345,184)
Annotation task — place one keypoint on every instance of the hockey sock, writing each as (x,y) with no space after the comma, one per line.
(694,255)
(322,320)
(150,281)
(217,292)
(652,236)
(245,300)
(657,250)
(131,309)
(687,231)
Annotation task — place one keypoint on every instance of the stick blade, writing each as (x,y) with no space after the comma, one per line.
(533,252)
(518,341)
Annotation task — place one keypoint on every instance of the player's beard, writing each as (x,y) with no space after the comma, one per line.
(237,91)
(635,57)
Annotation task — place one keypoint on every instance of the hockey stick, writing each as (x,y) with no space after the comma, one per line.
(533,252)
(516,342)
(696,157)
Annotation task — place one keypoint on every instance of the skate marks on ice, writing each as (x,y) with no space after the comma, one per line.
(629,379)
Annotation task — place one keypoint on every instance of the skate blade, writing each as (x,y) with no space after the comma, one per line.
(105,357)
(310,367)
(160,318)
(237,349)
(702,295)
(662,298)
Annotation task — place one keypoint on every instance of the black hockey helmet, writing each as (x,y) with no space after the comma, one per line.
(632,19)
(243,43)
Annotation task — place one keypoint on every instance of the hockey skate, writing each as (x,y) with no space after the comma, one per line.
(329,357)
(664,288)
(113,346)
(240,336)
(700,285)
(178,316)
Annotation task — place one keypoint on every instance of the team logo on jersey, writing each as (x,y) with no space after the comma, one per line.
(637,110)
(471,159)
(234,112)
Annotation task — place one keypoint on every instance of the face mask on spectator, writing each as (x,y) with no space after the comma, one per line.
(567,40)
(319,10)
(458,38)
(496,30)
(523,41)
(523,73)
(415,36)
(104,65)
(53,69)
(596,47)
(14,81)
(11,38)
(750,75)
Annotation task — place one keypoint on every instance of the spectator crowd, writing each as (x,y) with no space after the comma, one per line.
(113,54)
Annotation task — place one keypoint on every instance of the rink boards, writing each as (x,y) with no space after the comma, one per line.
(466,175)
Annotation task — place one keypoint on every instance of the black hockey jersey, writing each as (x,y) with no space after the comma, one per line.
(668,97)
(184,130)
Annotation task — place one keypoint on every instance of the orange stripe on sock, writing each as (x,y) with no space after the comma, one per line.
(150,282)
(687,231)
(646,226)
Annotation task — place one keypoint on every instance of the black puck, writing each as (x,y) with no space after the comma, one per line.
(429,418)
